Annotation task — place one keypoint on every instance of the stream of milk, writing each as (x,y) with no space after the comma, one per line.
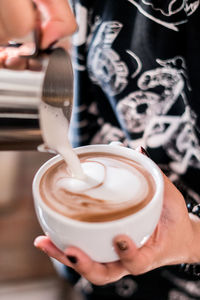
(55,129)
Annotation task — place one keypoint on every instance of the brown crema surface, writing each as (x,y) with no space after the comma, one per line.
(85,208)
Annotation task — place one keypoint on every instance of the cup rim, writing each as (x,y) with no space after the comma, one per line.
(116,150)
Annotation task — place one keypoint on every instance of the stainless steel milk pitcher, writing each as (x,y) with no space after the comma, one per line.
(21,93)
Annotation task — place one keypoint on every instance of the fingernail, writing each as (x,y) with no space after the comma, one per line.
(37,241)
(72,259)
(122,245)
(143,151)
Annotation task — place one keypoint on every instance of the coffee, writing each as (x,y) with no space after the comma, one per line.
(114,187)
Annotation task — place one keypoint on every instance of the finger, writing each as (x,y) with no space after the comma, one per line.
(5,53)
(10,57)
(60,21)
(15,63)
(135,260)
(97,273)
(34,65)
(44,244)
(3,56)
(16,18)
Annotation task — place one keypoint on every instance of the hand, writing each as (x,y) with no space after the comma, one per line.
(18,19)
(174,241)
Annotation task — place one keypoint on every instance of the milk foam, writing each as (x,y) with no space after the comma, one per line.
(107,180)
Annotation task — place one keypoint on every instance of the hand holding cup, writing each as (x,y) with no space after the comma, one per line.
(172,242)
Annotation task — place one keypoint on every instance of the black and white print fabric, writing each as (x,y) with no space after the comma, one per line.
(137,69)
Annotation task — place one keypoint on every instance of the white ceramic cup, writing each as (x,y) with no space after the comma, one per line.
(96,238)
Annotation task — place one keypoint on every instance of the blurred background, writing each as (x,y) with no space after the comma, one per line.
(25,272)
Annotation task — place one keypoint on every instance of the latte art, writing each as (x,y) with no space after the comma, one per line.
(113,187)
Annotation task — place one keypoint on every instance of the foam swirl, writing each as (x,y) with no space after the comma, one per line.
(113,187)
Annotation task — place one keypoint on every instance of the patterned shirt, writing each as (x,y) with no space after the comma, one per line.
(137,70)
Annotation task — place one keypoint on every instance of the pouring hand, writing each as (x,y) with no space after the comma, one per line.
(57,22)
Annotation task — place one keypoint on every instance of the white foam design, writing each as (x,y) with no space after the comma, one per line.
(106,181)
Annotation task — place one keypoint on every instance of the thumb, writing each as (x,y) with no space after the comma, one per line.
(135,260)
(59,21)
